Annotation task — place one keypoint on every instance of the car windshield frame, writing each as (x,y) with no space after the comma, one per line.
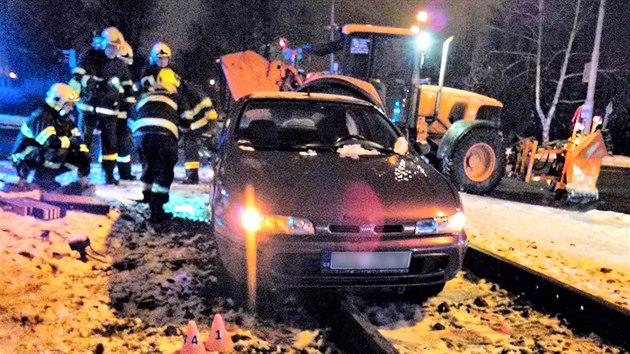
(239,136)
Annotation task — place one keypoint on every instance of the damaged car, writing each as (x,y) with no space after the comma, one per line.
(334,197)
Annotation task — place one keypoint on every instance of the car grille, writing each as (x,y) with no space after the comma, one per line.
(344,229)
(355,229)
(310,264)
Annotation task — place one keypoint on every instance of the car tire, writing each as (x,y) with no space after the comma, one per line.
(477,163)
(420,294)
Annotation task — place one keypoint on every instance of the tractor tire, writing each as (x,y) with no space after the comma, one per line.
(477,163)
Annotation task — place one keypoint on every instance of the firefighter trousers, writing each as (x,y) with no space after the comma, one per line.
(158,155)
(190,142)
(116,144)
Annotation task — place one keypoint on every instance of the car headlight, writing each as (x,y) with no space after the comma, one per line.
(253,221)
(441,224)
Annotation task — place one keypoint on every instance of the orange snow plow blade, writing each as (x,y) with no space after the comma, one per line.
(583,164)
(248,72)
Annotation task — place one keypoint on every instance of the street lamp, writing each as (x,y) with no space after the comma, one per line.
(422,16)
(423,41)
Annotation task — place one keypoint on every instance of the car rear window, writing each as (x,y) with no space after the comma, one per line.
(291,123)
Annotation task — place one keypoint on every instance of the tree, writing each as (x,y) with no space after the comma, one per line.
(535,43)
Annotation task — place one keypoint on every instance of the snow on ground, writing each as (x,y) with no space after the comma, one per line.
(588,250)
(139,296)
(473,316)
(138,291)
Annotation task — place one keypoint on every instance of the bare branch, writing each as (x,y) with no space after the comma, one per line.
(533,40)
(571,101)
(507,52)
(525,14)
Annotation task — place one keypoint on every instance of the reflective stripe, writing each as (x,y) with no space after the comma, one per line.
(75,132)
(26,131)
(85,107)
(124,159)
(84,80)
(127,83)
(155,122)
(187,115)
(156,188)
(193,165)
(122,115)
(106,111)
(65,142)
(53,165)
(130,99)
(71,166)
(78,70)
(110,157)
(148,79)
(205,103)
(198,124)
(212,115)
(19,156)
(43,136)
(88,108)
(83,148)
(156,98)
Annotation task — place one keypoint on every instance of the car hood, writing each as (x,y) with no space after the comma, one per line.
(325,187)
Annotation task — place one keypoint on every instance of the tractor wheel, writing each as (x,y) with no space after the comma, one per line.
(477,163)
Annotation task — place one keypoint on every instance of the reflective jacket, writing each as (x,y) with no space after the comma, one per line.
(45,128)
(159,112)
(101,83)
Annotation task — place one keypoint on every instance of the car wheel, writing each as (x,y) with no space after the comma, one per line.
(420,294)
(477,163)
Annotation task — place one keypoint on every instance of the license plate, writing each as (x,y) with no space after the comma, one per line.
(369,260)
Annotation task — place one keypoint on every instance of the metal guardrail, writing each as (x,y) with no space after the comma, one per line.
(584,312)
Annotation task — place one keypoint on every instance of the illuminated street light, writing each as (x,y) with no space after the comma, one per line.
(423,16)
(415,29)
(13,75)
(212,82)
(423,41)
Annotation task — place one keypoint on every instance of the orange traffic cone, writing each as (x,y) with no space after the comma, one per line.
(219,340)
(192,341)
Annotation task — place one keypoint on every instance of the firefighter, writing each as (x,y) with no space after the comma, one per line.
(201,112)
(159,58)
(50,144)
(123,134)
(99,79)
(156,128)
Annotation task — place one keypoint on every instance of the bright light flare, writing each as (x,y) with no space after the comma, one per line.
(422,16)
(423,41)
(415,29)
(212,82)
(13,75)
(251,220)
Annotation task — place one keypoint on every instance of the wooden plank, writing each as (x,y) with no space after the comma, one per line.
(77,202)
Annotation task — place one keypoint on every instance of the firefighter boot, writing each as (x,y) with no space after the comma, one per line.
(156,205)
(108,167)
(124,170)
(192,176)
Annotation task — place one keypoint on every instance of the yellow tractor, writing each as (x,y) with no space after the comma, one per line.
(455,129)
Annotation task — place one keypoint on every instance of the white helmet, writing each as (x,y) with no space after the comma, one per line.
(126,53)
(58,95)
(112,36)
(159,50)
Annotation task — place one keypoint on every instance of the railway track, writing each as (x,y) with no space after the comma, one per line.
(352,332)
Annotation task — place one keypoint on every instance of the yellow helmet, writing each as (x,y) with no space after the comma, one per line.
(58,95)
(168,80)
(159,50)
(125,53)
(112,36)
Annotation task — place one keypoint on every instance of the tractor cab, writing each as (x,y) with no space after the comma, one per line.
(384,57)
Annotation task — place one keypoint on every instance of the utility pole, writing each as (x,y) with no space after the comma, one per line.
(587,109)
(333,28)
